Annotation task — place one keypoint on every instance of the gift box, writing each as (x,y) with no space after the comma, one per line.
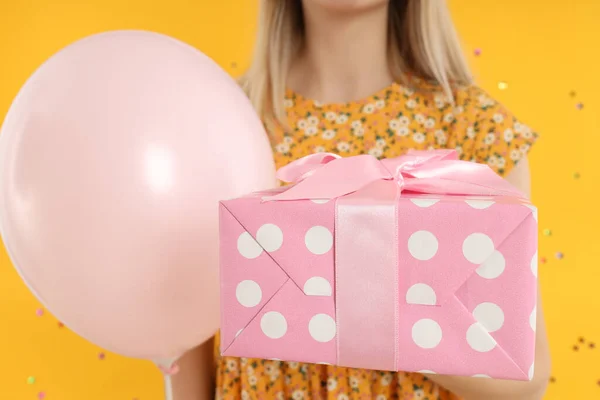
(418,263)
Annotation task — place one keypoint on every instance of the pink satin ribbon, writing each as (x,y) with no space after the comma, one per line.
(366,226)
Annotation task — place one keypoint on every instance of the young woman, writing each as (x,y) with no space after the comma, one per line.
(377,77)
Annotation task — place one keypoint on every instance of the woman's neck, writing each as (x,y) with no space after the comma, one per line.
(344,57)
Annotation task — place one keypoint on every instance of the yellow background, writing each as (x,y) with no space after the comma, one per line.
(543,50)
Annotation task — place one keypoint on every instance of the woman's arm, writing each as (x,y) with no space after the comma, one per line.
(491,389)
(196,377)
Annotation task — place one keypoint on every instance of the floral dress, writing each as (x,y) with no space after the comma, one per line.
(386,124)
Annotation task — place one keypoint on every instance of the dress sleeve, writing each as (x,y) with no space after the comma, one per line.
(490,134)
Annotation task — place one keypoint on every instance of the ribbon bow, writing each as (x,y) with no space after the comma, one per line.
(329,176)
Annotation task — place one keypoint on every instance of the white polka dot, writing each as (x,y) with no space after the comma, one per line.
(479,204)
(534,211)
(493,266)
(273,325)
(270,237)
(426,333)
(531,371)
(238,333)
(533,318)
(426,371)
(319,201)
(422,245)
(421,293)
(322,328)
(477,247)
(317,286)
(318,240)
(489,315)
(248,247)
(481,376)
(323,363)
(479,339)
(534,264)
(424,202)
(248,293)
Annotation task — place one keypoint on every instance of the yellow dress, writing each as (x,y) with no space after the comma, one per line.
(385,124)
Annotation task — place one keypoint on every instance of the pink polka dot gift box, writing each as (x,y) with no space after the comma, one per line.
(417,263)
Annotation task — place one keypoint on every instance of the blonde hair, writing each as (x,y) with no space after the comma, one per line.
(422,41)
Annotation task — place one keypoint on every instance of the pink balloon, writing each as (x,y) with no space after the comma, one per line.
(113,158)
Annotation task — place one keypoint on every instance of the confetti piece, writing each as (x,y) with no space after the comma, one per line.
(547,232)
(61,325)
(552,379)
(572,93)
(41,395)
(581,340)
(31,380)
(575,348)
(543,260)
(560,255)
(39,312)
(579,106)
(101,356)
(502,85)
(233,65)
(592,345)
(477,52)
(576,175)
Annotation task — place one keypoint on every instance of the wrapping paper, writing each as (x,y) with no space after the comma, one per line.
(421,263)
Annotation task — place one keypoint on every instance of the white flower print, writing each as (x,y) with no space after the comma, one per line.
(356,124)
(386,379)
(459,150)
(343,147)
(343,396)
(440,100)
(252,380)
(328,134)
(524,148)
(509,135)
(288,139)
(498,118)
(430,123)
(381,397)
(420,118)
(439,133)
(394,124)
(489,139)
(471,132)
(441,140)
(249,371)
(319,149)
(311,131)
(380,143)
(280,396)
(243,361)
(515,155)
(282,148)
(376,152)
(302,124)
(331,384)
(369,108)
(419,394)
(293,365)
(298,395)
(341,119)
(430,147)
(288,103)
(231,364)
(449,117)
(330,116)
(354,382)
(287,380)
(411,104)
(485,101)
(379,104)
(492,161)
(313,121)
(403,131)
(519,127)
(359,132)
(418,137)
(458,110)
(500,161)
(245,395)
(404,121)
(527,134)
